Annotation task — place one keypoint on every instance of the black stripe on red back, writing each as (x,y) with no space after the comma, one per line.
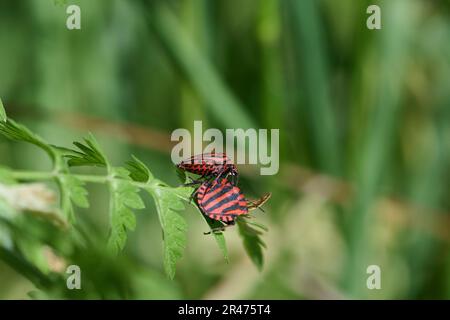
(217,191)
(221,200)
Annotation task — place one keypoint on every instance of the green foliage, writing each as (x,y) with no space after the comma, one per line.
(89,155)
(14,131)
(173,224)
(186,194)
(76,190)
(124,185)
(138,170)
(124,197)
(181,174)
(72,191)
(219,236)
(252,241)
(2,112)
(364,121)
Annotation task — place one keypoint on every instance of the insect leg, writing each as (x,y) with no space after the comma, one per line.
(253,205)
(223,172)
(194,182)
(220,229)
(192,197)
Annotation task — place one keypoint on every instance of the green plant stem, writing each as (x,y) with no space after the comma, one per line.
(46,176)
(42,176)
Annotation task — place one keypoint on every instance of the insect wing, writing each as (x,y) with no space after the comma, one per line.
(222,200)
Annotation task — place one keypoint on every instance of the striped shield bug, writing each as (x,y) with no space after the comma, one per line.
(209,165)
(221,200)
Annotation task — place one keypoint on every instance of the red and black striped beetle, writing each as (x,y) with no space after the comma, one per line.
(217,197)
(209,165)
(221,200)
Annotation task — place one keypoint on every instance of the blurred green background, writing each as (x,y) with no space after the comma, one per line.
(364,119)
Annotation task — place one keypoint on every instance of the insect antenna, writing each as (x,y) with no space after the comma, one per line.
(258,203)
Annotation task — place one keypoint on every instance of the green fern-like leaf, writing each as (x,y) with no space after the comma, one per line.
(253,243)
(14,131)
(90,154)
(138,170)
(124,197)
(174,226)
(72,189)
(218,236)
(169,201)
(124,185)
(185,193)
(181,174)
(77,191)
